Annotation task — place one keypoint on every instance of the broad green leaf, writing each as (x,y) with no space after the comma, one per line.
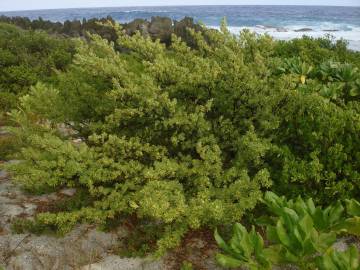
(350,225)
(353,207)
(257,242)
(227,261)
(290,217)
(271,234)
(306,224)
(325,240)
(264,220)
(311,206)
(221,243)
(336,212)
(291,257)
(297,241)
(282,234)
(273,254)
(354,257)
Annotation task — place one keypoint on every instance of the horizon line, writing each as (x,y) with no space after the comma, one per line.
(65,8)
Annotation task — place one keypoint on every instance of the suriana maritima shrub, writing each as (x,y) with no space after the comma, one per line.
(185,137)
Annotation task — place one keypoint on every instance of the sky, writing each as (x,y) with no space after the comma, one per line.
(7,5)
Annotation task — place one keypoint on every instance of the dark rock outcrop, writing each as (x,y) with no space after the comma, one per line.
(140,25)
(304,30)
(161,28)
(157,28)
(181,30)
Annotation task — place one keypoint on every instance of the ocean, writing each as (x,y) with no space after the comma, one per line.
(281,22)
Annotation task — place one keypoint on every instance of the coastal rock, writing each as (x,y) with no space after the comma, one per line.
(344,243)
(117,263)
(267,27)
(11,210)
(304,30)
(181,30)
(140,25)
(4,132)
(84,245)
(68,192)
(27,261)
(281,29)
(161,28)
(3,174)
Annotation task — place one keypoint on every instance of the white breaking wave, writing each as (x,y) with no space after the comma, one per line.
(337,31)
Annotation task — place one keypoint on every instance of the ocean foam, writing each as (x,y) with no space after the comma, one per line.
(349,33)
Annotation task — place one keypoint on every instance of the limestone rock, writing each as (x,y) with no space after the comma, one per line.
(117,263)
(140,25)
(304,30)
(181,30)
(3,174)
(26,261)
(161,28)
(68,192)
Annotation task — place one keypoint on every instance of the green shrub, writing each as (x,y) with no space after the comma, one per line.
(27,57)
(8,146)
(317,50)
(20,226)
(186,266)
(186,138)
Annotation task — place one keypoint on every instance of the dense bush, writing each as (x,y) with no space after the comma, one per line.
(33,55)
(317,50)
(187,137)
(27,57)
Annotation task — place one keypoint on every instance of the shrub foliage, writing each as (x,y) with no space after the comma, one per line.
(27,57)
(189,137)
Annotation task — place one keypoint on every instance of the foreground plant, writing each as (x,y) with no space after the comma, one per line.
(334,260)
(244,249)
(299,234)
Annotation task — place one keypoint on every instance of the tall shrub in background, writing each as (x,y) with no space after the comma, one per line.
(27,57)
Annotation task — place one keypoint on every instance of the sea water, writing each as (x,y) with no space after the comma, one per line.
(282,22)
